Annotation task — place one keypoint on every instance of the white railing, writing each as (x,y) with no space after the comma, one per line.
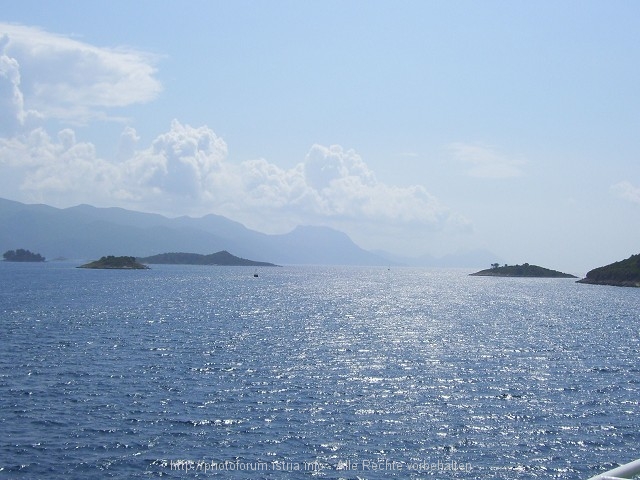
(626,471)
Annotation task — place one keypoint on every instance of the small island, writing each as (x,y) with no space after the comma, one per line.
(524,270)
(223,258)
(22,255)
(625,273)
(111,262)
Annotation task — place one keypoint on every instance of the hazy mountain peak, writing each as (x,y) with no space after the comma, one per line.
(87,232)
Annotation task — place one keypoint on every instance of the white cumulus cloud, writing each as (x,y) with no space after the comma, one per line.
(343,186)
(11,98)
(55,76)
(627,191)
(188,159)
(61,167)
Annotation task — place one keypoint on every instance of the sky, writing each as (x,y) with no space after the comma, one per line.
(416,127)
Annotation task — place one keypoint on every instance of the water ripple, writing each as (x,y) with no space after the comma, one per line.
(344,372)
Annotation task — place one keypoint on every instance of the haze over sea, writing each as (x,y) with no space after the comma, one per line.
(330,372)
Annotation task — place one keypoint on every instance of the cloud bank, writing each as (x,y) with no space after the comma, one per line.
(184,170)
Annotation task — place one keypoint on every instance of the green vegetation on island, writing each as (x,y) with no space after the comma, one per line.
(524,270)
(111,262)
(21,255)
(625,273)
(223,258)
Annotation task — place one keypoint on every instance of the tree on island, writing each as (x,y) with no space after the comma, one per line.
(22,255)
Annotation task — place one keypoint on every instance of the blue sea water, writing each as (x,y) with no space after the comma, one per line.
(327,372)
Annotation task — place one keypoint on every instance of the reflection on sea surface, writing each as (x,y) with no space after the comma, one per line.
(324,371)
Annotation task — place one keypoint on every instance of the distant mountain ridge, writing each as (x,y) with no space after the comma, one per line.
(86,232)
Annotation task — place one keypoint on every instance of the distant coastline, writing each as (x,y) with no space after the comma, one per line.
(625,273)
(524,270)
(222,258)
(22,255)
(118,263)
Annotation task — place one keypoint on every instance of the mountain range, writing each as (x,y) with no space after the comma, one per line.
(87,232)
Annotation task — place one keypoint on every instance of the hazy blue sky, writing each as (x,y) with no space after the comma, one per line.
(414,126)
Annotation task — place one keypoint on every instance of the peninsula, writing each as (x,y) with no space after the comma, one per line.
(22,255)
(111,262)
(524,270)
(220,258)
(625,273)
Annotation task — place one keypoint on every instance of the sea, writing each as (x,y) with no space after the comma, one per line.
(183,372)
